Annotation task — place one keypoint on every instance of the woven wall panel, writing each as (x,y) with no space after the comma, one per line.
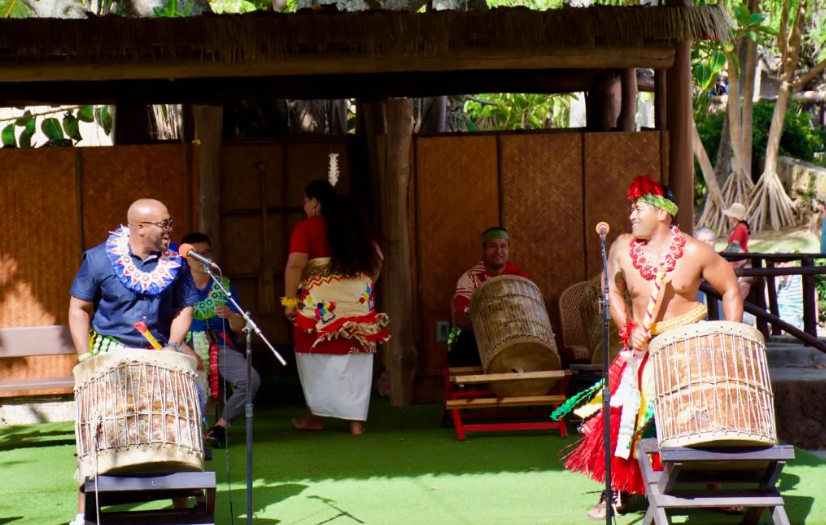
(458,195)
(612,160)
(241,177)
(308,162)
(542,209)
(115,177)
(37,366)
(274,326)
(40,244)
(241,242)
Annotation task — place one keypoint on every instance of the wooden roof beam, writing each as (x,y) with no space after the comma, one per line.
(331,64)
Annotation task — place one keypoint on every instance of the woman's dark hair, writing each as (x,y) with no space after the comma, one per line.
(748,228)
(192,238)
(350,243)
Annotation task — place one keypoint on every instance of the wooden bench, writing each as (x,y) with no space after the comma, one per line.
(119,490)
(757,469)
(33,357)
(458,401)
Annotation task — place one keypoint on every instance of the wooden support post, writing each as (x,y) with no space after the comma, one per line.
(393,186)
(660,100)
(628,110)
(208,128)
(681,152)
(602,102)
(131,124)
(809,300)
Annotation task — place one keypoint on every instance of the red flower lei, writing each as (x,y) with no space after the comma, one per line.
(675,252)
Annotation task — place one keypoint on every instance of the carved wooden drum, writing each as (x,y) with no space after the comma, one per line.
(712,386)
(137,413)
(514,334)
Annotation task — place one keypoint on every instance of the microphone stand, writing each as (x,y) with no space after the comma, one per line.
(606,387)
(249,328)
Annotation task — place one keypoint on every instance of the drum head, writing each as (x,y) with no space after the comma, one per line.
(526,354)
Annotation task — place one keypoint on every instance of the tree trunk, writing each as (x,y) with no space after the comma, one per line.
(706,169)
(776,129)
(749,72)
(722,166)
(393,185)
(735,122)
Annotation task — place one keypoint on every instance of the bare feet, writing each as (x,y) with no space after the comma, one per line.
(308,423)
(357,428)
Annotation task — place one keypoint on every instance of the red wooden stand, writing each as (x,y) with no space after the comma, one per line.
(486,406)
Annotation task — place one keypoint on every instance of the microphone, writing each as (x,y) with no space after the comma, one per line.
(603,228)
(186,251)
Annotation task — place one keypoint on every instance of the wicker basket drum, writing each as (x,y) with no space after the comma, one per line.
(712,386)
(514,334)
(590,311)
(137,412)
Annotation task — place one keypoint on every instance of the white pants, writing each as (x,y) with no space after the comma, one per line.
(336,385)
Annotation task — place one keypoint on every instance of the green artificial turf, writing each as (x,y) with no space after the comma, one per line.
(405,470)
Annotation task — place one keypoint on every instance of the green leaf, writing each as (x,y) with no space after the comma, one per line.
(471,126)
(768,30)
(756,19)
(753,36)
(22,121)
(28,133)
(8,137)
(51,128)
(717,62)
(104,118)
(71,127)
(14,9)
(86,114)
(703,74)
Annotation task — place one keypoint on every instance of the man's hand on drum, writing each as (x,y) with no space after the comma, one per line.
(185,349)
(639,338)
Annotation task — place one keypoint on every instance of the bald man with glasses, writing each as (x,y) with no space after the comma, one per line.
(132,277)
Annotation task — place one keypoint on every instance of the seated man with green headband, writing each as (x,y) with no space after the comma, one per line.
(495,247)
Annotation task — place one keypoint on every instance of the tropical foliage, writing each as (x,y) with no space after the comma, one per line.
(61,127)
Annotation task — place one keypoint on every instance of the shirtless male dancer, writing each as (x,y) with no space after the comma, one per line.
(656,256)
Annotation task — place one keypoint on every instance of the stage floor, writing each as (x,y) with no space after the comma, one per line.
(405,470)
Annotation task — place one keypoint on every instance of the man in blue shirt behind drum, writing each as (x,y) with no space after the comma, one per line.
(132,292)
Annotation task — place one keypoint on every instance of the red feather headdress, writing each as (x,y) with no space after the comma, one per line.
(644,185)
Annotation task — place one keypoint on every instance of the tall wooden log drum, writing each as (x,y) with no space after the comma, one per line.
(514,334)
(712,386)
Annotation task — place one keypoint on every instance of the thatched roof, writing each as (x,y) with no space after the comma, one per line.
(266,37)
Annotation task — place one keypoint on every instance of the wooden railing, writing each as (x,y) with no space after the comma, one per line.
(766,310)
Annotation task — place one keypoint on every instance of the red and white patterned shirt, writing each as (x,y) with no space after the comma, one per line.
(471,279)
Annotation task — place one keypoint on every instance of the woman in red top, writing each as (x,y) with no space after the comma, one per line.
(736,214)
(329,279)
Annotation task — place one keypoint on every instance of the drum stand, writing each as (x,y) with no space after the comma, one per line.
(122,490)
(249,328)
(758,467)
(459,402)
